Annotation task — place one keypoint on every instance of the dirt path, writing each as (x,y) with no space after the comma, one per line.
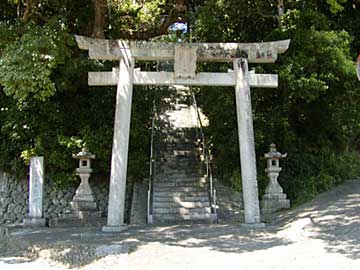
(322,233)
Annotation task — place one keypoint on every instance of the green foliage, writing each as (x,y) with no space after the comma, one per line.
(47,108)
(336,5)
(313,115)
(27,64)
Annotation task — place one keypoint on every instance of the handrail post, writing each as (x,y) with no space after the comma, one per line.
(151,168)
(206,154)
(215,201)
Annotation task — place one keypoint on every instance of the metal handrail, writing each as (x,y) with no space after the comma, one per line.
(151,167)
(206,155)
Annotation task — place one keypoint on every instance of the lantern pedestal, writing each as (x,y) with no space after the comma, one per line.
(84,198)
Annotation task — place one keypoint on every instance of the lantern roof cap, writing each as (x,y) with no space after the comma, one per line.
(274,154)
(84,154)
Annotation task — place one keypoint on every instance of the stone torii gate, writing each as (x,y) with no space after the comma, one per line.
(185,56)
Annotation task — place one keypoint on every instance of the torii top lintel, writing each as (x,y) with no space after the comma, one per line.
(262,52)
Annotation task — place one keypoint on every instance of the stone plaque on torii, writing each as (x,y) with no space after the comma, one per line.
(185,56)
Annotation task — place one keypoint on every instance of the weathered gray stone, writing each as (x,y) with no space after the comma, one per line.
(9,217)
(139,203)
(119,157)
(3,231)
(265,52)
(169,78)
(3,201)
(11,207)
(114,229)
(35,222)
(84,194)
(106,250)
(68,195)
(4,182)
(246,143)
(36,187)
(60,195)
(18,209)
(274,198)
(185,61)
(64,202)
(55,201)
(11,195)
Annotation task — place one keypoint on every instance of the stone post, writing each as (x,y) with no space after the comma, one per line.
(246,144)
(36,187)
(115,219)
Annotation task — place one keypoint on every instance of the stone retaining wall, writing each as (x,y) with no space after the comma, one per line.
(14,198)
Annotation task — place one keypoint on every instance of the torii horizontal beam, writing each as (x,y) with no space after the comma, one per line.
(262,52)
(168,78)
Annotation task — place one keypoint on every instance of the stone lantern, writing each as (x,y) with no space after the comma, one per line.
(84,198)
(274,197)
(83,210)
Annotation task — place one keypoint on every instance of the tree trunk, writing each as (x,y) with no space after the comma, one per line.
(28,11)
(100,7)
(281,10)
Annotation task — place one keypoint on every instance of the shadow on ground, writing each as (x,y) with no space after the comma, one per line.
(334,218)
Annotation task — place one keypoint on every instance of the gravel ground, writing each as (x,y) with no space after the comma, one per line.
(322,233)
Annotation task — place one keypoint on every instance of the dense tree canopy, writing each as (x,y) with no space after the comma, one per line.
(47,108)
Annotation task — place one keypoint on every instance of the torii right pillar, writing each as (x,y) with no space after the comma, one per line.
(246,144)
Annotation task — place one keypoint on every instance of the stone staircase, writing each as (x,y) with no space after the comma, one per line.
(180,192)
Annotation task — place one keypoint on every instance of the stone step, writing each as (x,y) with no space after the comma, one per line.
(176,160)
(184,198)
(166,182)
(183,178)
(172,161)
(182,210)
(171,192)
(165,138)
(171,134)
(162,177)
(172,185)
(178,165)
(188,168)
(180,142)
(178,189)
(178,145)
(180,204)
(166,218)
(177,154)
(171,152)
(179,179)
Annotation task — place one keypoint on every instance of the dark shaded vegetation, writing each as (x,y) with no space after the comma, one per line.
(47,108)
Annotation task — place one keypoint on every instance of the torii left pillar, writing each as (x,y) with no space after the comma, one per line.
(119,158)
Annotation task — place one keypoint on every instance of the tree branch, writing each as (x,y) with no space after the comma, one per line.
(175,16)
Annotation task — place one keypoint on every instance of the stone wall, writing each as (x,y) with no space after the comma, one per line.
(14,198)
